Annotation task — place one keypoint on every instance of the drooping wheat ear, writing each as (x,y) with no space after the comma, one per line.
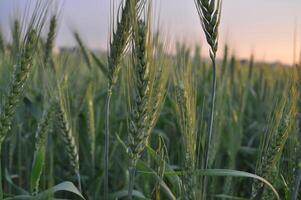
(185,96)
(86,54)
(50,40)
(20,76)
(280,126)
(100,64)
(149,91)
(68,139)
(210,13)
(40,148)
(63,117)
(118,42)
(83,49)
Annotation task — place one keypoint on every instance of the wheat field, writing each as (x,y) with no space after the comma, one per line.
(139,122)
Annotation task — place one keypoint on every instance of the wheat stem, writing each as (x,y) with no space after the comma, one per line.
(107,146)
(211,122)
(132,173)
(1,189)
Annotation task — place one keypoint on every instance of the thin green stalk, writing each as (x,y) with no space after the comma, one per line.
(1,190)
(297,188)
(107,140)
(211,122)
(132,173)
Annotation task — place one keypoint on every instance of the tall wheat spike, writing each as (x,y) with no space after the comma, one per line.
(21,72)
(139,113)
(118,43)
(20,76)
(149,91)
(185,96)
(280,125)
(210,14)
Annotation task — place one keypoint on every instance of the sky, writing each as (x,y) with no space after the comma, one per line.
(262,27)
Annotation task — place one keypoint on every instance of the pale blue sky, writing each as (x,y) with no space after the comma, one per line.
(263,26)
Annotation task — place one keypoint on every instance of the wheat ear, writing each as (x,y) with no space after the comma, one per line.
(20,76)
(69,140)
(21,73)
(118,43)
(149,92)
(83,49)
(40,148)
(139,113)
(273,142)
(185,96)
(50,40)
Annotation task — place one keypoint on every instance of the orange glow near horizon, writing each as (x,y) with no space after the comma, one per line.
(264,28)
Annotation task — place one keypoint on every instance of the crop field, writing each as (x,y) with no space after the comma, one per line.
(139,122)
